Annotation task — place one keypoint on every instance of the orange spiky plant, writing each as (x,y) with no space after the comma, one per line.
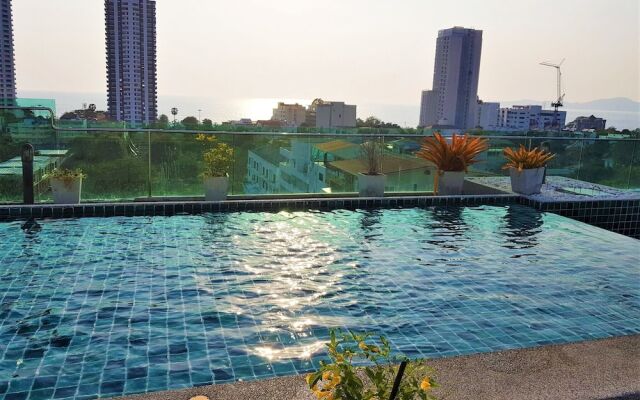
(455,156)
(526,159)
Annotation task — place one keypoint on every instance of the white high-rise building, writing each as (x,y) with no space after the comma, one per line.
(455,80)
(7,63)
(131,60)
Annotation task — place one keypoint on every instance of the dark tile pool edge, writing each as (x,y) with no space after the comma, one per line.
(615,215)
(565,371)
(197,207)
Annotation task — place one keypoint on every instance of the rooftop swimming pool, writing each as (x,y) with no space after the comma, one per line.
(104,307)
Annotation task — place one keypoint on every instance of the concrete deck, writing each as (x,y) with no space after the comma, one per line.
(603,369)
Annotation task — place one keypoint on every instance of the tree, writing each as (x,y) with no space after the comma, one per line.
(190,122)
(207,123)
(373,122)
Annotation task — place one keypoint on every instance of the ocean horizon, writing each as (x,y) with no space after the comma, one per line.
(220,110)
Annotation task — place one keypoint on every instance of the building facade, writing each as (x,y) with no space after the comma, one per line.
(7,63)
(488,115)
(530,118)
(587,123)
(290,115)
(335,114)
(453,97)
(131,60)
(428,108)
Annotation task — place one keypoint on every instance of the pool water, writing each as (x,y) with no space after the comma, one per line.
(105,307)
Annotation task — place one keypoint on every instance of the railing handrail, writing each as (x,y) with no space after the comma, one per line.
(55,127)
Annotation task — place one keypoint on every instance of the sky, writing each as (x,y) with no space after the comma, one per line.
(359,51)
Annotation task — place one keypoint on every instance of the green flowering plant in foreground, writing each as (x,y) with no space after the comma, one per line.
(340,379)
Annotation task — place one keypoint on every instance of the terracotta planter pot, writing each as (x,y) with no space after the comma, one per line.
(527,181)
(66,191)
(450,183)
(371,185)
(216,188)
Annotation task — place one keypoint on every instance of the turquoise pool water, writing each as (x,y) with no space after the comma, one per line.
(104,307)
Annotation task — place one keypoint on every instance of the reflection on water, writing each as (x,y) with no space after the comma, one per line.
(448,226)
(521,228)
(282,279)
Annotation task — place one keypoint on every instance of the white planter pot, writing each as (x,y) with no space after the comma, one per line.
(527,181)
(371,185)
(66,191)
(216,188)
(450,183)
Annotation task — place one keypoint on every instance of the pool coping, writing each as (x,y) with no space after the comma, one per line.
(598,369)
(620,215)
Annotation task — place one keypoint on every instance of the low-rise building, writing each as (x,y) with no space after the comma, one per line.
(587,123)
(291,115)
(335,114)
(530,117)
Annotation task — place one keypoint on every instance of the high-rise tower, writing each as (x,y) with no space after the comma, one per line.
(7,63)
(453,98)
(131,60)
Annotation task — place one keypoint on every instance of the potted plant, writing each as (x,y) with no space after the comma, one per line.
(371,183)
(452,159)
(526,168)
(218,159)
(66,185)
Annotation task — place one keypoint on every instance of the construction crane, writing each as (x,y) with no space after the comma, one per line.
(560,101)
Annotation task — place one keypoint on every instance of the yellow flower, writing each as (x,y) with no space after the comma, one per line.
(309,379)
(200,137)
(363,346)
(425,384)
(374,349)
(339,358)
(322,394)
(327,375)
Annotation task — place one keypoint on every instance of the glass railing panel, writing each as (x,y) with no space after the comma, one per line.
(18,127)
(405,171)
(115,164)
(336,162)
(607,162)
(177,163)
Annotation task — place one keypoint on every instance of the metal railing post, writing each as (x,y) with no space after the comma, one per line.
(633,156)
(149,164)
(27,155)
(580,160)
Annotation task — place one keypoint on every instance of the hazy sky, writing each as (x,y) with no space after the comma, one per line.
(375,51)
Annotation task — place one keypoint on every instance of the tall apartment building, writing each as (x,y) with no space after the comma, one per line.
(453,97)
(289,114)
(7,64)
(131,60)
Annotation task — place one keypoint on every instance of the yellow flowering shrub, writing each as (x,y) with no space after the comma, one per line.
(217,156)
(340,379)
